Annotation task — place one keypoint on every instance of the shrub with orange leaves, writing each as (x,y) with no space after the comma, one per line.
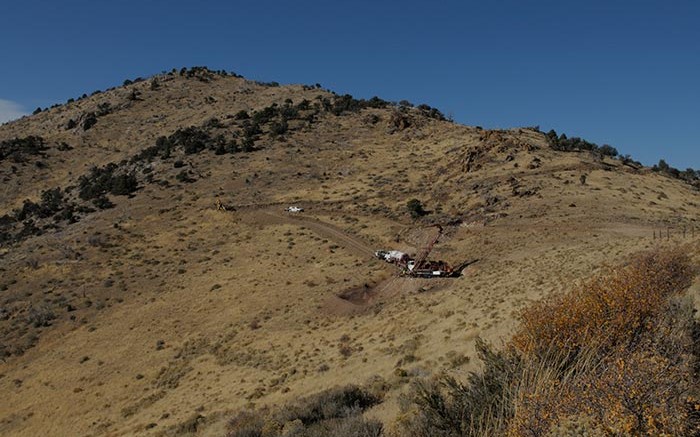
(632,395)
(617,356)
(611,310)
(620,349)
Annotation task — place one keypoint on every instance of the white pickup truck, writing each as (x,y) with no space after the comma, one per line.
(294,209)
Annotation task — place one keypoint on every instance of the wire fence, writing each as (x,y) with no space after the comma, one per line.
(670,232)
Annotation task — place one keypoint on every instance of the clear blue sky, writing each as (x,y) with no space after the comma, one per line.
(623,73)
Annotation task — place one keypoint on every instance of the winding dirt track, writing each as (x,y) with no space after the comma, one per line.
(356,299)
(352,243)
(351,300)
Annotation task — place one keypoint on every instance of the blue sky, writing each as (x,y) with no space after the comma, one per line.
(621,73)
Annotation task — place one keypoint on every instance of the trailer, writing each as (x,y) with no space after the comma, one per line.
(420,266)
(392,256)
(427,269)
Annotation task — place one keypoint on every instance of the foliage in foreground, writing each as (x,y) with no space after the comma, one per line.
(616,356)
(336,412)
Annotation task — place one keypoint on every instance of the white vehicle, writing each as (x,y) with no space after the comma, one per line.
(391,256)
(294,209)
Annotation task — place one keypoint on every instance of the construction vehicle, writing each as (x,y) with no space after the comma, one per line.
(435,269)
(420,266)
(427,269)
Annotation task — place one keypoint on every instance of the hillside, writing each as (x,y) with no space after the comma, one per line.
(130,304)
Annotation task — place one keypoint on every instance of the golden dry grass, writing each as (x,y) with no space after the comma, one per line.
(627,341)
(623,363)
(173,309)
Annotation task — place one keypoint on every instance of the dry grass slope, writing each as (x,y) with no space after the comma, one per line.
(616,356)
(130,304)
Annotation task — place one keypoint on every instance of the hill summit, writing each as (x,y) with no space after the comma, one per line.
(152,281)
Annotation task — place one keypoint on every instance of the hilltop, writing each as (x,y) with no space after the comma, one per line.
(130,303)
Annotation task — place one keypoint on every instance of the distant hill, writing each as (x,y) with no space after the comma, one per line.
(152,283)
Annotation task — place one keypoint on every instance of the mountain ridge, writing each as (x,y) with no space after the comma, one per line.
(130,290)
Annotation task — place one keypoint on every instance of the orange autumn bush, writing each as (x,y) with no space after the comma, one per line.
(616,356)
(623,349)
(636,395)
(611,310)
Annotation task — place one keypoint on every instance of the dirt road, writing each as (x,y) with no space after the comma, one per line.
(355,299)
(350,242)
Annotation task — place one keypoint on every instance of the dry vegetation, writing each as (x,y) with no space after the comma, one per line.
(616,356)
(336,411)
(130,305)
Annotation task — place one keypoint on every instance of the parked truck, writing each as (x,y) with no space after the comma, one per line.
(392,256)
